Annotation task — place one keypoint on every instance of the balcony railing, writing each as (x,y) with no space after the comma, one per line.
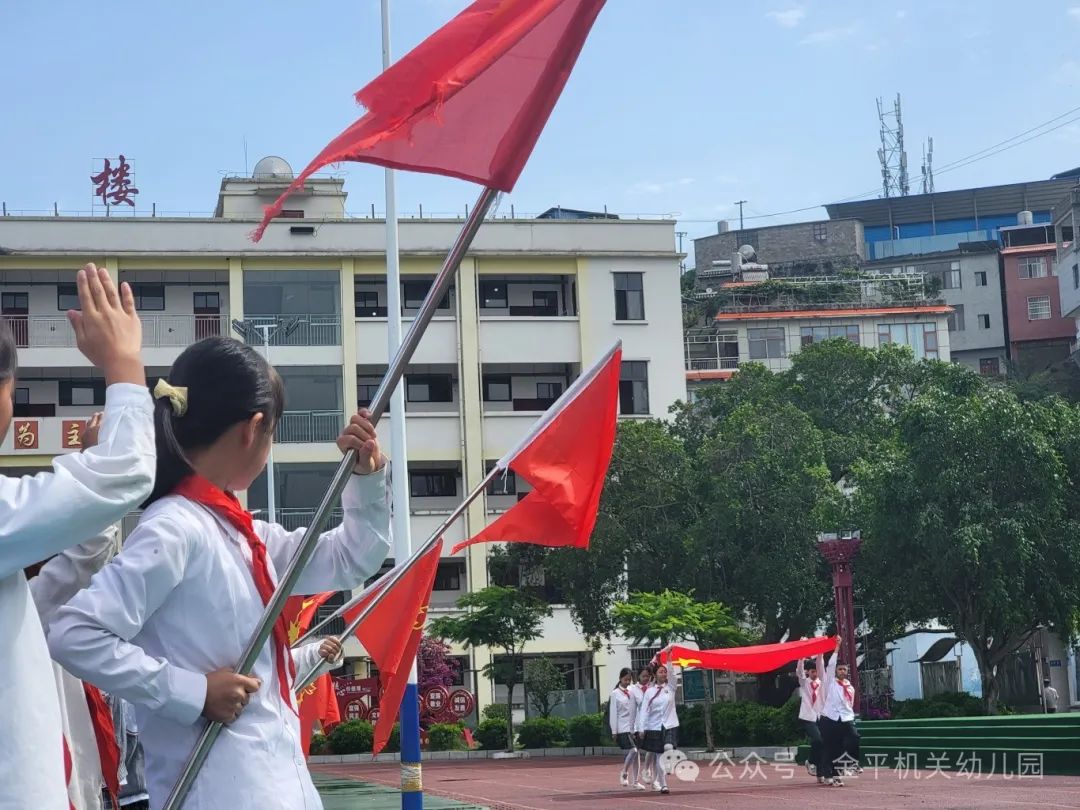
(307,330)
(309,426)
(712,363)
(159,331)
(293,519)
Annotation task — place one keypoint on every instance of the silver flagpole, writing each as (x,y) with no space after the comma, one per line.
(303,553)
(391,577)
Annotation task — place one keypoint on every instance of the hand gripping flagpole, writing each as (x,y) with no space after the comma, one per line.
(379,403)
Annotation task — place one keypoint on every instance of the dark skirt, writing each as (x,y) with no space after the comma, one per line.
(653,742)
(625,741)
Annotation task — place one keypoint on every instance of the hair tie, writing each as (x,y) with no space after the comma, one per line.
(177,396)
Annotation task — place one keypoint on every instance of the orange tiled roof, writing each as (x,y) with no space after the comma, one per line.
(798,314)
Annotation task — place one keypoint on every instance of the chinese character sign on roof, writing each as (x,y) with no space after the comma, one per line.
(113,184)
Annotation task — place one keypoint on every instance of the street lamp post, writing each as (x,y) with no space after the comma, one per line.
(839,550)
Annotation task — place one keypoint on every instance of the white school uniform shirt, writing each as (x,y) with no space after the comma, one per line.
(657,709)
(57,581)
(180,601)
(40,516)
(839,697)
(622,713)
(811,692)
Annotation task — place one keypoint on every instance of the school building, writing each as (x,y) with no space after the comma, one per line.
(535,301)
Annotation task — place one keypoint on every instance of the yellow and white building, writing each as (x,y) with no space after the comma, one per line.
(534,302)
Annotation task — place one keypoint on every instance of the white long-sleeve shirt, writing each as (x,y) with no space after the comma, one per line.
(622,712)
(839,695)
(307,656)
(657,709)
(58,580)
(179,602)
(811,692)
(40,516)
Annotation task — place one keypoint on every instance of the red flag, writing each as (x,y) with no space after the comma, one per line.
(299,613)
(471,100)
(565,457)
(318,702)
(104,732)
(759,658)
(391,635)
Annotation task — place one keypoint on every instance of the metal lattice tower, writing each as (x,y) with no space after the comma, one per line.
(928,167)
(894,172)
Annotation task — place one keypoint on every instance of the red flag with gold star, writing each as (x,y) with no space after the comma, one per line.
(755,659)
(299,613)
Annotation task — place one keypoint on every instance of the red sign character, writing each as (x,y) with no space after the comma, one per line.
(26,434)
(114,185)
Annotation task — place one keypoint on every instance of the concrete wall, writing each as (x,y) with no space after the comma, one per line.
(843,244)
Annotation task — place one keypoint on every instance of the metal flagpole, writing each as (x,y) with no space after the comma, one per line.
(307,545)
(391,577)
(412,795)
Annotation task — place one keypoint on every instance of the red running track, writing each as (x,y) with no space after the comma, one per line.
(592,784)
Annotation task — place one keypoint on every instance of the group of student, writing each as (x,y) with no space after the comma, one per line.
(827,713)
(161,622)
(645,724)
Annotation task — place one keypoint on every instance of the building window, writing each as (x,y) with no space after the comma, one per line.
(989,366)
(952,277)
(365,392)
(545,303)
(634,387)
(149,297)
(956,318)
(429,388)
(493,295)
(505,483)
(1032,267)
(548,391)
(980,278)
(921,337)
(1039,308)
(432,484)
(640,658)
(497,388)
(414,292)
(67,297)
(629,297)
(816,334)
(821,232)
(82,392)
(447,577)
(984,321)
(15,303)
(22,396)
(1076,276)
(767,343)
(366,303)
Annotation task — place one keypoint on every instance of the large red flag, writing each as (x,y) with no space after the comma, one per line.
(565,457)
(317,702)
(469,101)
(756,659)
(391,635)
(299,612)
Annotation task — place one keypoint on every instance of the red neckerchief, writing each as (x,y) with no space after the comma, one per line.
(849,692)
(813,691)
(659,689)
(104,731)
(198,489)
(626,692)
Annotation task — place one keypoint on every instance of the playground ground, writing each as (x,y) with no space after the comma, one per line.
(564,784)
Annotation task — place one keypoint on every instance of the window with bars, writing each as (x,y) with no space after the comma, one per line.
(1039,308)
(640,658)
(1032,267)
(821,232)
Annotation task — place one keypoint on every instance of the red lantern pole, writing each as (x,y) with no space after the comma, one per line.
(839,550)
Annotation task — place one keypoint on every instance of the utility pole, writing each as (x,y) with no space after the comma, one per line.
(740,203)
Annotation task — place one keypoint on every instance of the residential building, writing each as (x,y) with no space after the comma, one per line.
(969,281)
(769,322)
(1067,255)
(826,247)
(1039,333)
(534,301)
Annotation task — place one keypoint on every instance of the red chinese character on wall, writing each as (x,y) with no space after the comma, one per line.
(113,185)
(26,434)
(72,434)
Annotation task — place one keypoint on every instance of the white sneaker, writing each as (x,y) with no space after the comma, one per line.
(624,780)
(656,786)
(639,786)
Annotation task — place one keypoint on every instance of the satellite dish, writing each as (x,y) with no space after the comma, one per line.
(748,253)
(273,167)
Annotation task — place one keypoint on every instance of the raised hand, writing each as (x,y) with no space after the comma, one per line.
(107,329)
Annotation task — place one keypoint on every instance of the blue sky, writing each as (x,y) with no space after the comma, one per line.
(677,106)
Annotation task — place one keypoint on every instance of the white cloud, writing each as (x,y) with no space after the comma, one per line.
(1074,12)
(650,187)
(830,35)
(788,18)
(901,14)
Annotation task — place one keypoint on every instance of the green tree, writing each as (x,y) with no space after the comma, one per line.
(670,617)
(544,685)
(969,518)
(500,617)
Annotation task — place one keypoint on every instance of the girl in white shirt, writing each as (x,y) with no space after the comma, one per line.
(44,514)
(165,623)
(811,701)
(638,690)
(623,716)
(658,723)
